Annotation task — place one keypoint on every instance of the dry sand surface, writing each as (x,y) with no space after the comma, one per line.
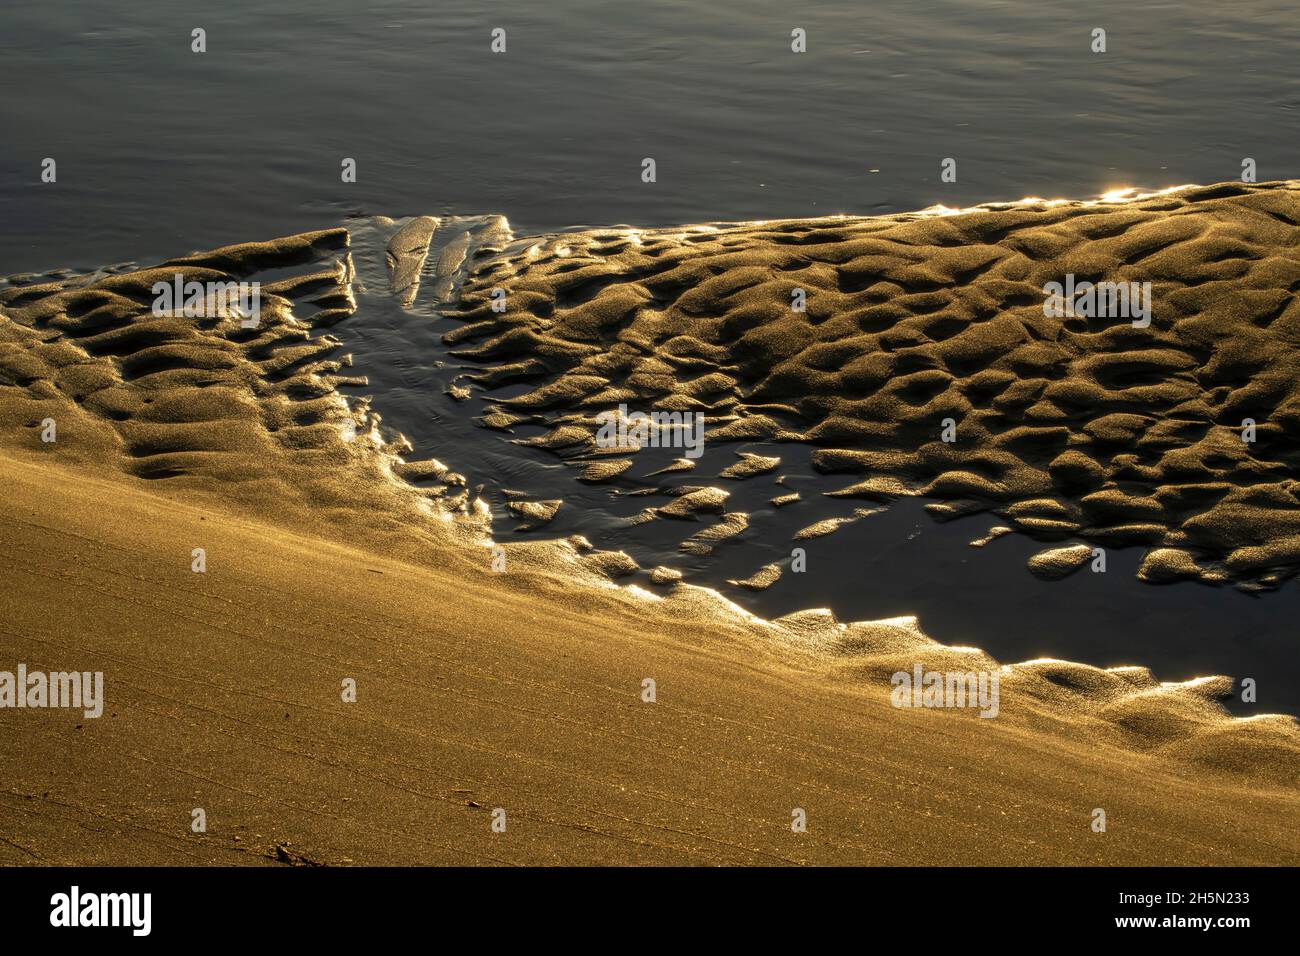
(223,693)
(523,690)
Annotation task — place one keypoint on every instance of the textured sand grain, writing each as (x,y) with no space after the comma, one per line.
(223,692)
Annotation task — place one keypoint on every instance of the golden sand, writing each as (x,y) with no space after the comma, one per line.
(1067,427)
(523,689)
(477,692)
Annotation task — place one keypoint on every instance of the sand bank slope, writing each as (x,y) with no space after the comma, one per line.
(204,403)
(223,692)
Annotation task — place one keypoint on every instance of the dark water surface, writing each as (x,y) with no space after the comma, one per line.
(161,150)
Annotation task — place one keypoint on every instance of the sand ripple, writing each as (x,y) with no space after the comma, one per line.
(1071,427)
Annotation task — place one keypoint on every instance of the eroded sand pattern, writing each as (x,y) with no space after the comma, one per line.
(1068,429)
(1073,427)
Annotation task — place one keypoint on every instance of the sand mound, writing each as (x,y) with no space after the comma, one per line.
(1067,427)
(473,697)
(253,414)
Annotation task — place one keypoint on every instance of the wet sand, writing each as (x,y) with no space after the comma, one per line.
(338,548)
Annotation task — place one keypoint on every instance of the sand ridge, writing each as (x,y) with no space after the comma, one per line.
(1069,427)
(253,413)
